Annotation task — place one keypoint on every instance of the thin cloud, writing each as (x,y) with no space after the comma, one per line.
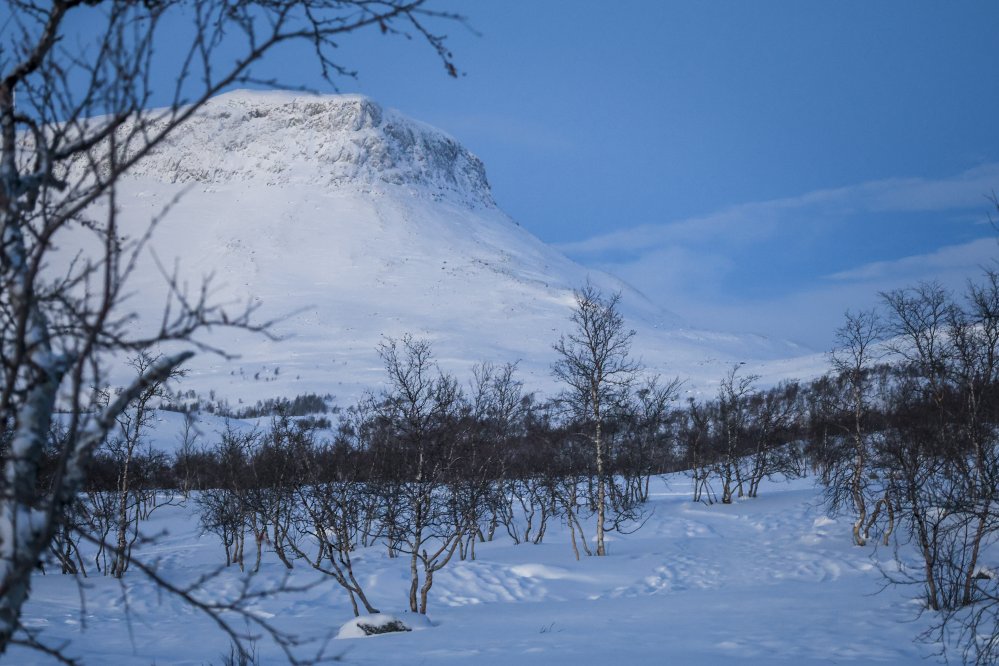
(726,226)
(750,222)
(981,252)
(967,189)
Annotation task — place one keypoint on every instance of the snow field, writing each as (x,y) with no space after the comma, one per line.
(768,580)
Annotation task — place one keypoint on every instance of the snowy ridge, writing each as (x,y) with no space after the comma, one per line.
(279,138)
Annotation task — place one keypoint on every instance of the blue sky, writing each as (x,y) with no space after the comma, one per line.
(753,166)
(757,166)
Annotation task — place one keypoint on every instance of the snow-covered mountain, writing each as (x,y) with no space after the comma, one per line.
(350,222)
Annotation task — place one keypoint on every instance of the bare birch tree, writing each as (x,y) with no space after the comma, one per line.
(733,394)
(594,364)
(421,408)
(852,360)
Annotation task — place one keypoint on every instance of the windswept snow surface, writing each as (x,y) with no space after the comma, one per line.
(347,222)
(772,580)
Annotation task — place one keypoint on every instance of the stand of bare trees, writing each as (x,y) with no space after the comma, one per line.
(428,470)
(911,445)
(745,435)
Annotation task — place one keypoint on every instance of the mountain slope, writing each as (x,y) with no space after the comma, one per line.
(348,223)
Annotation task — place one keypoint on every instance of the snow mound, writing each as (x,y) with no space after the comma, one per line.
(544,572)
(380,623)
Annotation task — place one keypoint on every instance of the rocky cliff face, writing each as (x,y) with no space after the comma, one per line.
(279,138)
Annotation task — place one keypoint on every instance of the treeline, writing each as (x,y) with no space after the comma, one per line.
(305,404)
(426,469)
(429,468)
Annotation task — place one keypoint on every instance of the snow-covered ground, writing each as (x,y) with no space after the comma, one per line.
(768,580)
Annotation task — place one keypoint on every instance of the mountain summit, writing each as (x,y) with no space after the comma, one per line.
(333,141)
(346,222)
